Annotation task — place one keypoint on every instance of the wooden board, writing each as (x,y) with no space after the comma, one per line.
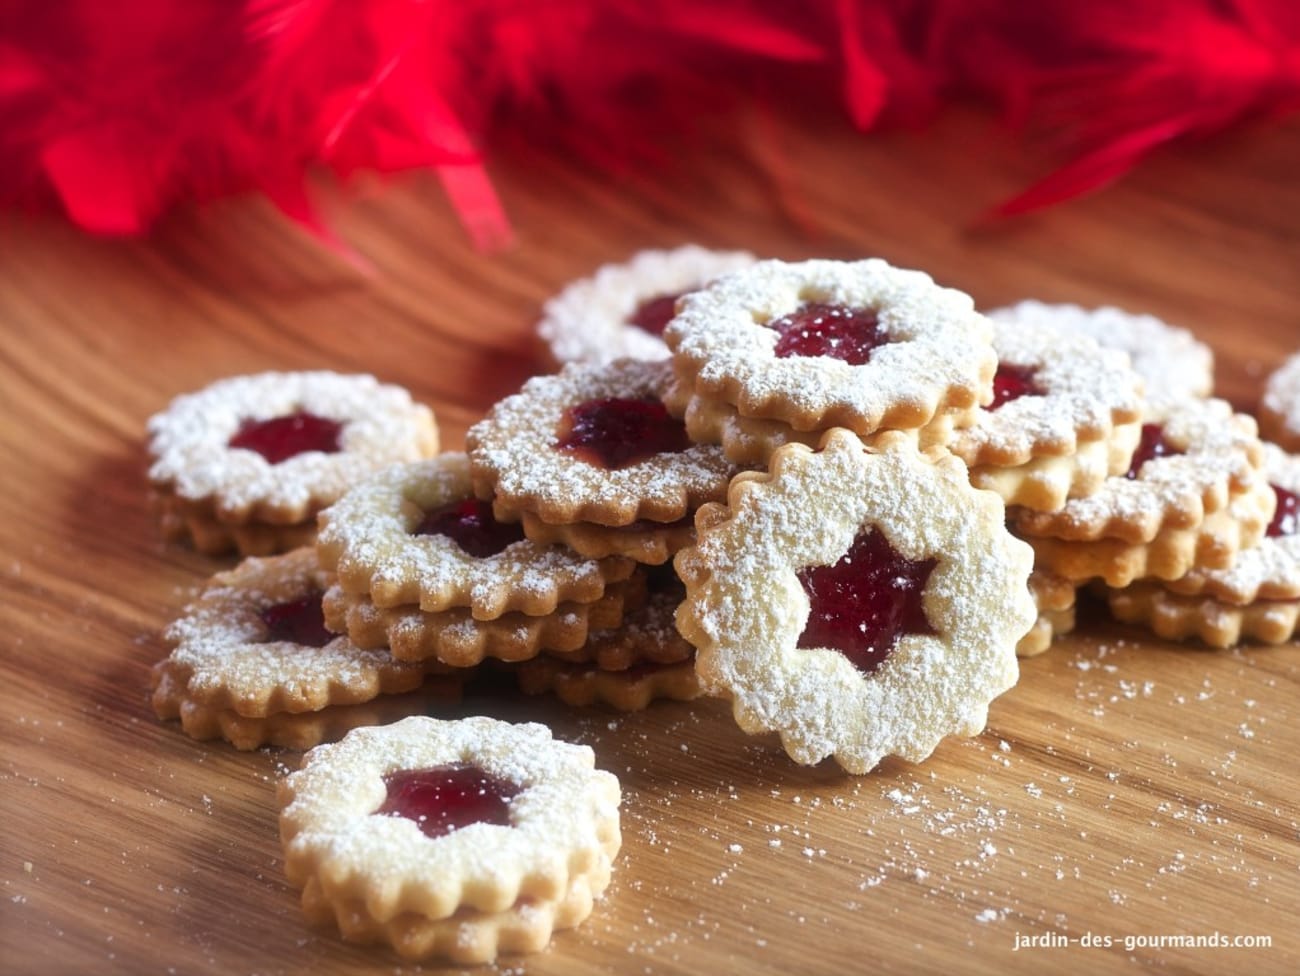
(1126,788)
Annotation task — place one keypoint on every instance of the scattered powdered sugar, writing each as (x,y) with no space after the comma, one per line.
(1170,360)
(588,321)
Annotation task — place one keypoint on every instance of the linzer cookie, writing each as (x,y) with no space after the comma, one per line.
(595,446)
(822,344)
(1192,497)
(414,535)
(255,643)
(1257,599)
(1065,416)
(622,309)
(1055,599)
(1279,408)
(455,638)
(293,730)
(862,602)
(629,690)
(1171,361)
(247,463)
(479,824)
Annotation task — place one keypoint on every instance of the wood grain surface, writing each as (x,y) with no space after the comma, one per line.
(1125,788)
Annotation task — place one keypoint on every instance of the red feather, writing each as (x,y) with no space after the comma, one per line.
(115,112)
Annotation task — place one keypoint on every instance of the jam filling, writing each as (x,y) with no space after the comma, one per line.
(1152,445)
(616,432)
(281,438)
(837,331)
(1012,382)
(471,525)
(446,798)
(654,314)
(861,605)
(1286,521)
(298,621)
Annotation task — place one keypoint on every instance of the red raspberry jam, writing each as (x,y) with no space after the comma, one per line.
(1012,382)
(654,314)
(837,331)
(1152,445)
(615,432)
(471,525)
(281,438)
(298,621)
(446,798)
(866,601)
(1286,521)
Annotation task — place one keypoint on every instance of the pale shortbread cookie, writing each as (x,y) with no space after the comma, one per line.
(519,456)
(1054,596)
(310,437)
(456,638)
(1173,616)
(650,543)
(1065,416)
(647,635)
(931,355)
(560,818)
(1172,553)
(751,441)
(746,608)
(468,937)
(1217,456)
(194,522)
(1270,569)
(629,690)
(240,644)
(1170,360)
(620,311)
(368,538)
(293,730)
(1279,407)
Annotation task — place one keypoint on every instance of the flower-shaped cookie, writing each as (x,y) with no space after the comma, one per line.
(1171,361)
(594,444)
(860,602)
(1279,408)
(435,818)
(255,642)
(819,344)
(1065,416)
(622,309)
(272,449)
(415,534)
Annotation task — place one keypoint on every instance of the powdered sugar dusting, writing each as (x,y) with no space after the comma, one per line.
(939,355)
(563,823)
(513,454)
(745,607)
(189,440)
(1279,408)
(1170,360)
(1086,391)
(366,537)
(587,322)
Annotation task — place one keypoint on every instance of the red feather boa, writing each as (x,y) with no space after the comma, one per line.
(117,111)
